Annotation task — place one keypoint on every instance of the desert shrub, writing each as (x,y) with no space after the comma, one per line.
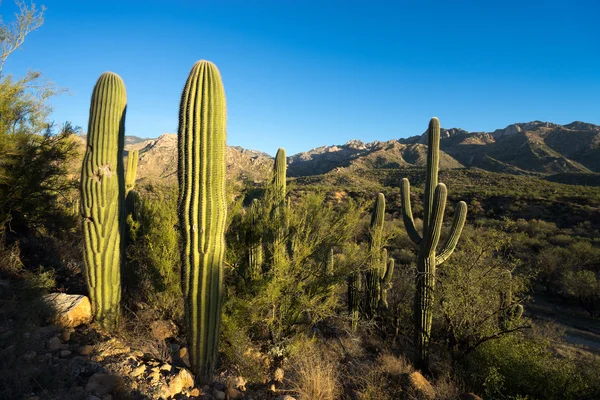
(584,287)
(477,291)
(293,289)
(152,274)
(314,371)
(524,366)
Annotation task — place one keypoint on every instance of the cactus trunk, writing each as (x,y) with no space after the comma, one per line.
(354,288)
(202,211)
(102,198)
(373,275)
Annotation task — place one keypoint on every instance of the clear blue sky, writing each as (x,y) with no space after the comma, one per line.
(301,74)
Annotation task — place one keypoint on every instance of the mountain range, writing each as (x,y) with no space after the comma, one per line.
(537,148)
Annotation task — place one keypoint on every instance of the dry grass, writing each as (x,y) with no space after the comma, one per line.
(314,372)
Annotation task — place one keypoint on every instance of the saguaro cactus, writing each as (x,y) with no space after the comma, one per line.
(511,311)
(428,258)
(386,283)
(130,174)
(254,242)
(354,289)
(202,208)
(102,197)
(279,176)
(278,206)
(373,275)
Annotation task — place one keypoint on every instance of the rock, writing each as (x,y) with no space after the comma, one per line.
(165,367)
(220,395)
(54,344)
(195,392)
(68,310)
(233,394)
(154,376)
(112,347)
(278,375)
(138,371)
(163,329)
(183,380)
(206,388)
(65,353)
(66,334)
(85,350)
(29,355)
(469,396)
(239,382)
(419,386)
(182,357)
(102,384)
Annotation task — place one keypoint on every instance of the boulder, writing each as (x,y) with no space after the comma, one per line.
(469,396)
(68,310)
(163,329)
(418,386)
(102,384)
(183,380)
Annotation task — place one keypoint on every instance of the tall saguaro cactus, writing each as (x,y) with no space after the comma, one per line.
(102,198)
(373,275)
(279,176)
(202,211)
(428,257)
(278,206)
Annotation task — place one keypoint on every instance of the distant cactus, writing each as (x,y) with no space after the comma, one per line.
(280,176)
(428,258)
(102,196)
(132,162)
(386,283)
(373,275)
(354,292)
(202,208)
(329,265)
(254,242)
(511,312)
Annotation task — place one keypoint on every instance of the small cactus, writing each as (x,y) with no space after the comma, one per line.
(354,292)
(386,283)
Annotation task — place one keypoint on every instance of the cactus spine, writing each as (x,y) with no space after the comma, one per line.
(132,162)
(202,208)
(428,258)
(102,196)
(373,275)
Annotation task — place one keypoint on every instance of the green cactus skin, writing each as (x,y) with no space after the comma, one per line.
(428,259)
(354,289)
(373,275)
(386,283)
(202,208)
(132,162)
(102,198)
(279,205)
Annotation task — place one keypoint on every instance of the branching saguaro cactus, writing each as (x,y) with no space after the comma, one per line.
(428,258)
(202,207)
(102,197)
(373,275)
(130,174)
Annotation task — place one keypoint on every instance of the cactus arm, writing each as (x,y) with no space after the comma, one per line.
(407,215)
(432,236)
(460,215)
(280,175)
(431,181)
(130,174)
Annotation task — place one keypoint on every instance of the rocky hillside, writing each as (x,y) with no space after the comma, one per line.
(532,147)
(523,148)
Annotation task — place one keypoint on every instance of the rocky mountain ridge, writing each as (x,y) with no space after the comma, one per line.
(523,148)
